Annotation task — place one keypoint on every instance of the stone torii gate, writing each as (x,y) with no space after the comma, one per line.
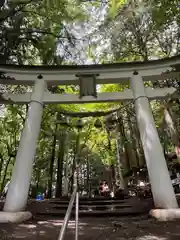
(87,77)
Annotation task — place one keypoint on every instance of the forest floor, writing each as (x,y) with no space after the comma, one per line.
(131,228)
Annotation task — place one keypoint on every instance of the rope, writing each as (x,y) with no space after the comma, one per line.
(35,101)
(92,114)
(97,113)
(100,113)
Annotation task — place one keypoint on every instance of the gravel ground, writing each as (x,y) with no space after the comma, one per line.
(131,228)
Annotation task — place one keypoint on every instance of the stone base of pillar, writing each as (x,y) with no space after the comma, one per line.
(165,214)
(14,217)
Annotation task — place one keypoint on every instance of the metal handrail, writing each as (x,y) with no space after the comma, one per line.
(75,195)
(77,216)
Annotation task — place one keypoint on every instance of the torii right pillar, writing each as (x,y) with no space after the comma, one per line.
(161,186)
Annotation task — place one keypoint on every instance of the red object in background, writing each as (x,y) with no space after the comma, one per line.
(177,149)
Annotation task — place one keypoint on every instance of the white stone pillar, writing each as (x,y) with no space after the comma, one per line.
(18,191)
(161,185)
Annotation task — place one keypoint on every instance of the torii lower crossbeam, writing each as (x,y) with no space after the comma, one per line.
(49,98)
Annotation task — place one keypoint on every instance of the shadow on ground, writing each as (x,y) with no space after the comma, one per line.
(131,228)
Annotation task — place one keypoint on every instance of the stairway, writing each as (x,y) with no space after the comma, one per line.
(91,207)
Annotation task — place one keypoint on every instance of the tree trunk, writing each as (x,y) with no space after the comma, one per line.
(1,165)
(119,162)
(139,148)
(87,175)
(124,143)
(113,177)
(75,158)
(73,171)
(51,167)
(171,124)
(165,141)
(38,174)
(5,173)
(134,156)
(66,180)
(60,161)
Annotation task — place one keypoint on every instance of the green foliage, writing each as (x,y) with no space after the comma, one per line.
(31,30)
(114,6)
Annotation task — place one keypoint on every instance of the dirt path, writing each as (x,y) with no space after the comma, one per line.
(134,228)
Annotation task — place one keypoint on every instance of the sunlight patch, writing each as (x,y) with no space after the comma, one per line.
(29,226)
(42,222)
(148,237)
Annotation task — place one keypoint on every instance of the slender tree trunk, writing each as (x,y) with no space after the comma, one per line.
(126,162)
(73,170)
(119,163)
(87,175)
(1,165)
(75,158)
(51,167)
(38,174)
(66,180)
(171,124)
(134,155)
(5,173)
(165,141)
(60,166)
(139,148)
(113,177)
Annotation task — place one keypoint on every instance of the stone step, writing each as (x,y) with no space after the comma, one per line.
(109,208)
(95,213)
(102,206)
(84,198)
(102,202)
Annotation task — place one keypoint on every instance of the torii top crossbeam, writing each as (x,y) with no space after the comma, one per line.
(87,77)
(105,73)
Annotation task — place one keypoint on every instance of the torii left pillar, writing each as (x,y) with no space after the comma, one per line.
(18,191)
